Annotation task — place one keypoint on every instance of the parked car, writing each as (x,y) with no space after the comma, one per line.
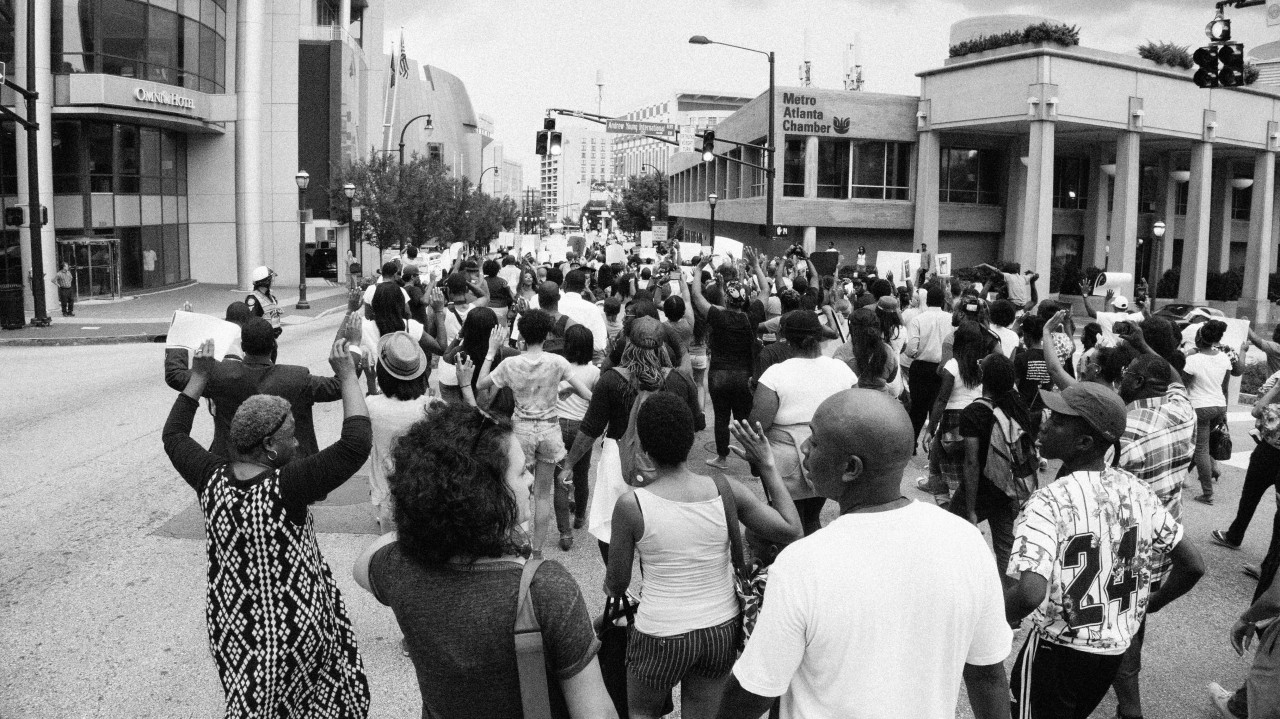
(1182,315)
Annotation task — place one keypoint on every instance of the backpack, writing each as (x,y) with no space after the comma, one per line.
(629,445)
(554,343)
(1012,462)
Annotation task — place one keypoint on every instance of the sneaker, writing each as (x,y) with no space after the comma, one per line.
(566,541)
(1205,499)
(1220,697)
(1219,538)
(720,463)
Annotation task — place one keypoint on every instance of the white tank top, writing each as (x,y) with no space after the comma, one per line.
(688,574)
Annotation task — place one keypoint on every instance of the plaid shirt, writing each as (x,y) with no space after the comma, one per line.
(1157,447)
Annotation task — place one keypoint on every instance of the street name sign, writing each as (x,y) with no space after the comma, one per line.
(637,127)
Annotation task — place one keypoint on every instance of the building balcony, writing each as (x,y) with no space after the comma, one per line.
(329,33)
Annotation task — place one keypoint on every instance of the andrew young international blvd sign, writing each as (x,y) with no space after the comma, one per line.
(636,127)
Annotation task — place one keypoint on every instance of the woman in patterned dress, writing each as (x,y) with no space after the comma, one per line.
(278,628)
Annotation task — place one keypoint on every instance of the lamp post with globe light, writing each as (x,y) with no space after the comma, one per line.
(304,216)
(350,191)
(711,200)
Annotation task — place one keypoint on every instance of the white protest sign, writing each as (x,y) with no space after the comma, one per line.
(649,253)
(506,239)
(944,264)
(897,262)
(557,247)
(1237,332)
(614,254)
(704,250)
(1119,282)
(189,330)
(728,249)
(626,246)
(528,244)
(646,238)
(689,250)
(659,234)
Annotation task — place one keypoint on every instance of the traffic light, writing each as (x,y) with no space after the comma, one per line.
(555,145)
(548,123)
(541,145)
(708,145)
(14,217)
(1231,64)
(1206,60)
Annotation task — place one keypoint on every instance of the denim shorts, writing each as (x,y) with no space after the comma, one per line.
(663,662)
(540,439)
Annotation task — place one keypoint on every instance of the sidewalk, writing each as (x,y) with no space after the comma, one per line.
(146,317)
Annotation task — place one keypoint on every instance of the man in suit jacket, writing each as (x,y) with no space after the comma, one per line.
(235,380)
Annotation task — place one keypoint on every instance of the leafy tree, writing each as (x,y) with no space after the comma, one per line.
(643,197)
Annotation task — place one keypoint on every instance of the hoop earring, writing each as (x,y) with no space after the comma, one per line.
(271,455)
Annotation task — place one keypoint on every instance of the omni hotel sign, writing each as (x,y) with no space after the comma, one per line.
(164,97)
(803,113)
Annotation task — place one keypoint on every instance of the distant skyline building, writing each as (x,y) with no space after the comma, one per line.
(692,112)
(580,174)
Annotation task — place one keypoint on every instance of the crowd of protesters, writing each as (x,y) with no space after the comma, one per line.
(508,394)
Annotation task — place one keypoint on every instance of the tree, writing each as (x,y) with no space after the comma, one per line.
(419,203)
(643,197)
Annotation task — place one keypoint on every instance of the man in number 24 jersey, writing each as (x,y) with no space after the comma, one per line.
(1084,552)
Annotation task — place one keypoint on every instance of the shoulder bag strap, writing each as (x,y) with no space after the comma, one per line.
(731,519)
(530,656)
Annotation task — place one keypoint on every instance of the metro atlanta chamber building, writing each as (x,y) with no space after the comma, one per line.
(1059,158)
(171,132)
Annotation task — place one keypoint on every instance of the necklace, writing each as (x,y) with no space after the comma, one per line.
(862,508)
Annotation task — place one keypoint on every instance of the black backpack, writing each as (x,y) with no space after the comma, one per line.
(555,338)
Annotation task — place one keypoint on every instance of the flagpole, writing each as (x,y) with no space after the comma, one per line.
(388,104)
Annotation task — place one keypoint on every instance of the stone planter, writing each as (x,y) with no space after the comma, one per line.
(1006,50)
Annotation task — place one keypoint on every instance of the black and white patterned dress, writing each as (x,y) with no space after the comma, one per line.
(278,628)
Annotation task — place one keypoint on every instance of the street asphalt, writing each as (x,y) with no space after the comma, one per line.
(102,575)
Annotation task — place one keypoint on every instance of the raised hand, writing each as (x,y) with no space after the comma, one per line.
(497,338)
(340,359)
(435,298)
(350,329)
(1055,323)
(466,369)
(755,446)
(355,299)
(202,363)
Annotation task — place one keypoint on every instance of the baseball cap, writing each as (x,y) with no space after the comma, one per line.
(773,307)
(1096,404)
(409,270)
(261,273)
(401,357)
(645,333)
(1120,302)
(888,303)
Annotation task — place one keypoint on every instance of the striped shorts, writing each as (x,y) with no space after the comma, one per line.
(663,662)
(1053,681)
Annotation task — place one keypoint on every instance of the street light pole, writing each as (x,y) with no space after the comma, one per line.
(711,200)
(350,191)
(303,179)
(661,192)
(35,211)
(406,127)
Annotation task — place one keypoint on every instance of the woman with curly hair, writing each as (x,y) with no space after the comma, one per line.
(645,367)
(451,573)
(278,628)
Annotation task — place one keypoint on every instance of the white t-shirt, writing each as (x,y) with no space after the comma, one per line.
(1008,340)
(452,326)
(875,617)
(369,336)
(368,292)
(802,384)
(1107,321)
(1207,373)
(961,394)
(389,418)
(572,406)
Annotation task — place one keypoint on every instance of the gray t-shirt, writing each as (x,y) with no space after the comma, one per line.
(459,623)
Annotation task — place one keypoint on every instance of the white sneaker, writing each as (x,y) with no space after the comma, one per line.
(1220,697)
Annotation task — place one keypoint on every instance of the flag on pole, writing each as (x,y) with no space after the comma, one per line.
(404,59)
(393,64)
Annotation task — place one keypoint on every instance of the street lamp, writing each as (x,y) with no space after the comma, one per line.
(350,191)
(661,192)
(769,151)
(711,200)
(406,127)
(480,182)
(304,215)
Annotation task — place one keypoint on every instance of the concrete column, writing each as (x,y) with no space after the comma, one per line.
(1124,208)
(1097,218)
(1015,186)
(811,166)
(810,239)
(1195,242)
(44,157)
(1035,251)
(928,164)
(344,15)
(1220,224)
(1258,260)
(250,70)
(1168,214)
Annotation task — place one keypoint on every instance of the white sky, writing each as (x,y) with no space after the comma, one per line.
(519,57)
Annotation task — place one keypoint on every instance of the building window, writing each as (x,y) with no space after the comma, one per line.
(131,38)
(1241,203)
(969,177)
(881,170)
(1070,183)
(1182,197)
(793,167)
(833,169)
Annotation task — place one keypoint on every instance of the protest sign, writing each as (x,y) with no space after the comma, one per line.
(189,330)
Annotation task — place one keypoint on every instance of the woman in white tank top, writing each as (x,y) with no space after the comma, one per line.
(687,628)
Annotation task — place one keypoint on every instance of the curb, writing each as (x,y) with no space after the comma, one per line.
(83,341)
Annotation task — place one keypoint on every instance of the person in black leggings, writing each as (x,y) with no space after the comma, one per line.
(731,344)
(1264,467)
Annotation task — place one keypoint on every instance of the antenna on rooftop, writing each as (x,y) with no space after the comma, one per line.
(599,92)
(805,78)
(853,64)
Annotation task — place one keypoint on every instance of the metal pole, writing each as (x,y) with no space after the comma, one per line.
(351,240)
(768,208)
(302,252)
(713,224)
(35,218)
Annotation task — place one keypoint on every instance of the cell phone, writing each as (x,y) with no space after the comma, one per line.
(1123,327)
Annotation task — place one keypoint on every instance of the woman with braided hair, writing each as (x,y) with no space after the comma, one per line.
(278,628)
(645,367)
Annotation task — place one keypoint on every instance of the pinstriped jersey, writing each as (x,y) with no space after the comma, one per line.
(1095,537)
